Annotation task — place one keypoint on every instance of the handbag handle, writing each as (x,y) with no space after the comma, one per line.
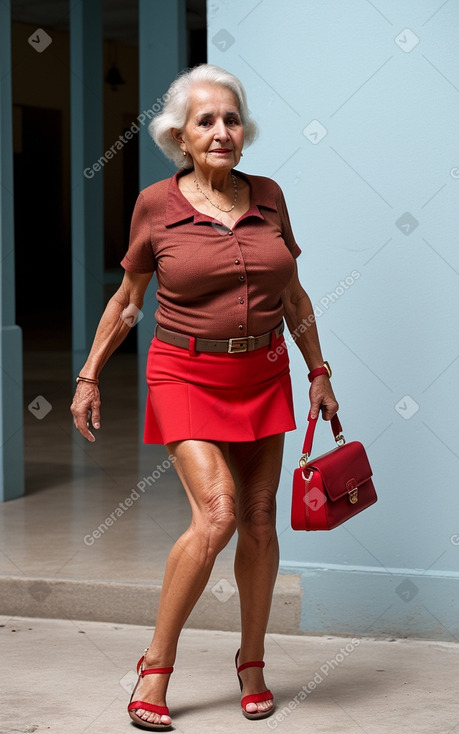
(307,445)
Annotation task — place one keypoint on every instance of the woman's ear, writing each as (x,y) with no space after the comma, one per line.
(177,135)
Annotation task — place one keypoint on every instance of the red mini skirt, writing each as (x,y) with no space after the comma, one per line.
(217,396)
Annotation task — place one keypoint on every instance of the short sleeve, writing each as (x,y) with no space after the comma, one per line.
(287,232)
(139,257)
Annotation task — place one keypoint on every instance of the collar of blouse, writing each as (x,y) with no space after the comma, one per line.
(179,208)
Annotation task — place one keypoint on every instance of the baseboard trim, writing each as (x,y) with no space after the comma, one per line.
(378,603)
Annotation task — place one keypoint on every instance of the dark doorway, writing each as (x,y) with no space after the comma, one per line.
(42,234)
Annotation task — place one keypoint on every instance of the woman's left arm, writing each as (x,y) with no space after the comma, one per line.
(301,323)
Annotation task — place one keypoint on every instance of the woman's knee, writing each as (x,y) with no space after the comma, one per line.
(216,519)
(257,516)
(210,487)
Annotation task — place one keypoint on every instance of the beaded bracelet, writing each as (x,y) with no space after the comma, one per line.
(86,379)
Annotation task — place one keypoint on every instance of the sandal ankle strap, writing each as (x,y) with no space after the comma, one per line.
(151,671)
(253,664)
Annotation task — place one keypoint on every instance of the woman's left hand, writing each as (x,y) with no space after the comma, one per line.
(322,398)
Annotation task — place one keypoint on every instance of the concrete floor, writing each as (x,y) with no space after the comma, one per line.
(78,598)
(76,677)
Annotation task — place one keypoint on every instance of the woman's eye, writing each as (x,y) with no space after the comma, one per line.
(230,121)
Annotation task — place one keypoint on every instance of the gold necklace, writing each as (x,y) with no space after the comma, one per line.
(213,203)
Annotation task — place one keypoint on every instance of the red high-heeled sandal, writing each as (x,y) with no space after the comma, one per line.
(253,697)
(134,705)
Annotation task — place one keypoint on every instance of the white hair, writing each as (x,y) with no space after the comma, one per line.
(176,104)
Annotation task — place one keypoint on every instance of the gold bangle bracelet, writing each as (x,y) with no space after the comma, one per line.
(86,379)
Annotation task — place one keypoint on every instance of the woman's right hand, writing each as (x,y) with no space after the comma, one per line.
(86,408)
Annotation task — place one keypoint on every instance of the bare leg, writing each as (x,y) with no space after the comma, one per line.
(256,468)
(203,470)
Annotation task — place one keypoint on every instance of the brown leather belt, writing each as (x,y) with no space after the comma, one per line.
(232,346)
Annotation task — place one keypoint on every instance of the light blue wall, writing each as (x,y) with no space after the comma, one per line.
(389,159)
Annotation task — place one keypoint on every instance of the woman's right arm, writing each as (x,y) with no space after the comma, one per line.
(119,316)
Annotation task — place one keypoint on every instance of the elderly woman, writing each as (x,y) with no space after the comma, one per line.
(221,245)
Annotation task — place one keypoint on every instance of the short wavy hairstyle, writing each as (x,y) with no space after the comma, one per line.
(176,104)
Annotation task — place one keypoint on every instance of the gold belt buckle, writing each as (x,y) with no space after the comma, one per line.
(236,345)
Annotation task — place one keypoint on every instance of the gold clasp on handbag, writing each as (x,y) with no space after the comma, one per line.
(353,491)
(303,460)
(340,440)
(354,496)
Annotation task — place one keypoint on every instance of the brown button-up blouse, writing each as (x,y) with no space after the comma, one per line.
(213,281)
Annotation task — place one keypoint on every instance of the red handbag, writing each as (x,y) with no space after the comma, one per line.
(332,488)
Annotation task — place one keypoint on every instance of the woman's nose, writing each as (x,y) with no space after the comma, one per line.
(221,131)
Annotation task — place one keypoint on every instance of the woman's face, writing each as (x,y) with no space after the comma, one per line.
(213,133)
